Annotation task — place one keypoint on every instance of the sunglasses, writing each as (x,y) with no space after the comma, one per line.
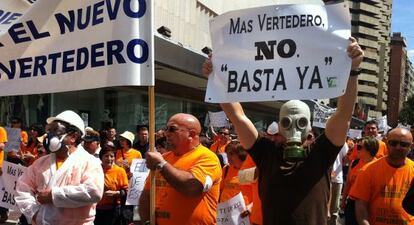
(394,143)
(223,133)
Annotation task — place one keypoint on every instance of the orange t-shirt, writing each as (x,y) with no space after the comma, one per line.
(382,151)
(217,148)
(127,155)
(256,213)
(3,139)
(384,187)
(230,186)
(173,207)
(115,180)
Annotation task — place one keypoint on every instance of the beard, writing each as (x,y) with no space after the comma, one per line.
(397,154)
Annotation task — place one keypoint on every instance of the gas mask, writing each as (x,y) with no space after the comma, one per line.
(294,124)
(53,143)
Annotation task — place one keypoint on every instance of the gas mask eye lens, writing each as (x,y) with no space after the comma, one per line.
(286,122)
(302,123)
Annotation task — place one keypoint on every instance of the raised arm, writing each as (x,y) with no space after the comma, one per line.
(337,126)
(246,132)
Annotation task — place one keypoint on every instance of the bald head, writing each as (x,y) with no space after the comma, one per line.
(400,133)
(188,121)
(399,141)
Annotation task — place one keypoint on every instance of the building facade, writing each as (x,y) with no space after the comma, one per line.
(371,22)
(397,82)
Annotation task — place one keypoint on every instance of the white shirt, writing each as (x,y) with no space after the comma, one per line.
(337,175)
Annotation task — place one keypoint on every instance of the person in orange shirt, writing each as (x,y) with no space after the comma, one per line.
(3,141)
(115,189)
(367,149)
(187,177)
(126,154)
(223,139)
(248,176)
(381,185)
(29,152)
(230,185)
(371,130)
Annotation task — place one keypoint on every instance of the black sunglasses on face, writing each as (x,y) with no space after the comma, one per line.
(171,129)
(394,143)
(223,133)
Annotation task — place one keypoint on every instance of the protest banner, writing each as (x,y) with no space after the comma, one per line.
(65,45)
(321,114)
(218,119)
(263,54)
(13,139)
(228,212)
(137,181)
(8,182)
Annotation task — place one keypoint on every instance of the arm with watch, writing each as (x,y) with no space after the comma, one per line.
(183,181)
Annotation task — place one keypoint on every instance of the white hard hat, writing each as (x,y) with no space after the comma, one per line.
(129,136)
(71,118)
(273,128)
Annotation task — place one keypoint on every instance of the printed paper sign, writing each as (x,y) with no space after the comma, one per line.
(13,139)
(280,52)
(8,182)
(218,119)
(353,133)
(137,181)
(65,45)
(228,213)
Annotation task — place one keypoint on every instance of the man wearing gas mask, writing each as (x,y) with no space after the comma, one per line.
(294,182)
(64,186)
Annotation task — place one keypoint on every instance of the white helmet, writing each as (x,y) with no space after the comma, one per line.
(71,118)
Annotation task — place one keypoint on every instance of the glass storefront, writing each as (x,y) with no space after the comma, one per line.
(123,108)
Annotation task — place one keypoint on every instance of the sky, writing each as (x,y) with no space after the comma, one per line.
(402,20)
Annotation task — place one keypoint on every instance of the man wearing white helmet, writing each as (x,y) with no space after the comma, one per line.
(294,180)
(64,186)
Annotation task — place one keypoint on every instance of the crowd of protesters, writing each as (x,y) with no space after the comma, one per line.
(288,174)
(369,164)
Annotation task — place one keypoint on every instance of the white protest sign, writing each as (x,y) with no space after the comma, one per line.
(321,115)
(383,124)
(8,182)
(65,45)
(353,133)
(13,139)
(218,119)
(137,181)
(228,212)
(280,52)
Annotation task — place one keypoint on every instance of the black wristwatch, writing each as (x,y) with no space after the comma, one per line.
(355,72)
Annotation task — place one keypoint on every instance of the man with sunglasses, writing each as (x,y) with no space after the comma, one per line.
(187,179)
(62,187)
(380,186)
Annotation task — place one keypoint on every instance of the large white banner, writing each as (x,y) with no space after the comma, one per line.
(321,114)
(65,45)
(280,52)
(8,182)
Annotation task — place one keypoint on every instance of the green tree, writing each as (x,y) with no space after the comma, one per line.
(406,115)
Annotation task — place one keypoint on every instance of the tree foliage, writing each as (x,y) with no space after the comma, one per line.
(406,115)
